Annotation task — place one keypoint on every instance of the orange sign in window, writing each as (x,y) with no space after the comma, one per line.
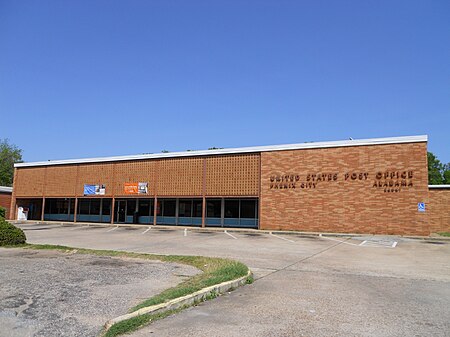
(131,188)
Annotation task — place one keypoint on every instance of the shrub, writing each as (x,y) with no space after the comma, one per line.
(10,234)
(2,212)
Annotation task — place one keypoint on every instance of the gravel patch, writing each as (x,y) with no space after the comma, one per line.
(51,293)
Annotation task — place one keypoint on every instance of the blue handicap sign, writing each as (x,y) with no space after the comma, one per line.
(421,207)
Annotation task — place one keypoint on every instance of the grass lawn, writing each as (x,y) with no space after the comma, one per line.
(444,234)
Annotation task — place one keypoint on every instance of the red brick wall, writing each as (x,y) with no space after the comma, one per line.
(345,199)
(29,181)
(439,210)
(5,202)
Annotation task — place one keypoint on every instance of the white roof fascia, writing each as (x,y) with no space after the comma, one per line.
(438,186)
(254,149)
(6,189)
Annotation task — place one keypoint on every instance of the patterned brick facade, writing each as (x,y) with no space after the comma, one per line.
(231,175)
(346,189)
(439,210)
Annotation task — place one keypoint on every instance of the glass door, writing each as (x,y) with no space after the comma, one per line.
(121,211)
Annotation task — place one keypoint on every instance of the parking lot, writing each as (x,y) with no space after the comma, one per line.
(305,286)
(51,293)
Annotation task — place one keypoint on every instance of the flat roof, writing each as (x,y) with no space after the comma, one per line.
(6,189)
(254,149)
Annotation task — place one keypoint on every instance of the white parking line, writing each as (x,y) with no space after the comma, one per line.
(279,237)
(230,235)
(185,232)
(146,230)
(347,243)
(112,229)
(379,244)
(78,227)
(367,243)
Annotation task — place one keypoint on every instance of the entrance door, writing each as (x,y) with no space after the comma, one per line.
(121,209)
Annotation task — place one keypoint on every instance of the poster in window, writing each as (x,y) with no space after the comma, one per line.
(135,188)
(130,188)
(143,188)
(94,189)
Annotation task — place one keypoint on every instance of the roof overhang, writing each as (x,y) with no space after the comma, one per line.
(6,189)
(439,186)
(241,150)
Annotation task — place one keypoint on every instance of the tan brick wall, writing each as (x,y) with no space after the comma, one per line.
(134,172)
(60,181)
(225,175)
(95,174)
(337,204)
(439,210)
(233,175)
(180,176)
(5,202)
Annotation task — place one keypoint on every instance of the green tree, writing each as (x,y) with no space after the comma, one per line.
(438,173)
(446,174)
(9,155)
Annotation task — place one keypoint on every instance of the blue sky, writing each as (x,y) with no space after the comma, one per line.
(100,78)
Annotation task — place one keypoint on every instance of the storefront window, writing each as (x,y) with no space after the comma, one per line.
(83,206)
(72,206)
(213,208)
(58,206)
(95,207)
(145,206)
(169,207)
(106,207)
(197,207)
(185,208)
(131,206)
(248,209)
(231,208)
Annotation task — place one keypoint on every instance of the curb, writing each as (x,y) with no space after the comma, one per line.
(179,302)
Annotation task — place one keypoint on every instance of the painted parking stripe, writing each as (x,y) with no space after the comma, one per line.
(379,244)
(280,237)
(112,229)
(146,230)
(78,227)
(347,243)
(230,235)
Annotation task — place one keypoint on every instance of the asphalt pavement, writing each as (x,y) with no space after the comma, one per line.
(51,294)
(305,286)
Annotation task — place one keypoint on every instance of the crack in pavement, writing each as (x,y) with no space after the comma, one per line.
(303,259)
